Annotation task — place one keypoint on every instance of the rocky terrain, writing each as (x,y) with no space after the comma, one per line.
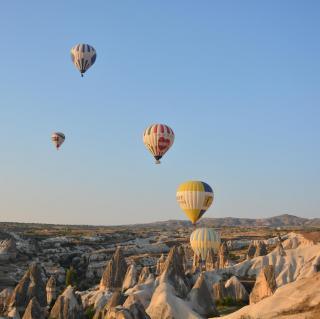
(149,271)
(284,220)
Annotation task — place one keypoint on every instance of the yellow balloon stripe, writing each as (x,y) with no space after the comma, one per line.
(193,214)
(191,186)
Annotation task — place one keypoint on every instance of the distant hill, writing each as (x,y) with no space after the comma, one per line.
(276,221)
(284,220)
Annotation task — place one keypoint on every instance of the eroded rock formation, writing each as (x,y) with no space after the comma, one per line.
(210,261)
(173,272)
(33,310)
(196,263)
(223,256)
(67,306)
(131,277)
(201,299)
(31,285)
(265,285)
(251,251)
(219,291)
(279,249)
(8,249)
(236,290)
(160,264)
(51,289)
(5,295)
(145,273)
(261,249)
(115,272)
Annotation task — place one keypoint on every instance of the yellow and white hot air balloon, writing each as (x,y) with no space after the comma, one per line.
(158,138)
(194,198)
(204,239)
(83,57)
(57,139)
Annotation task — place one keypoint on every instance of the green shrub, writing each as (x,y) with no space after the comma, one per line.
(90,312)
(228,302)
(71,277)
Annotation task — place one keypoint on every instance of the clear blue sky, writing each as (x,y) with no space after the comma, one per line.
(238,81)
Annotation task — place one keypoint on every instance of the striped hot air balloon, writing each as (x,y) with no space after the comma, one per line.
(57,139)
(158,138)
(194,198)
(83,57)
(204,239)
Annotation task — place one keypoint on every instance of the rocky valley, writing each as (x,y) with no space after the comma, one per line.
(150,271)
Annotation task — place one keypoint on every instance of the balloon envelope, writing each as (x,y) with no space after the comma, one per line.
(194,198)
(83,57)
(158,138)
(204,239)
(57,139)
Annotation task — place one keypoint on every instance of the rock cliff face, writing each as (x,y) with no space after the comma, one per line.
(115,272)
(201,299)
(223,256)
(67,306)
(14,314)
(251,251)
(145,273)
(297,300)
(117,299)
(31,285)
(51,289)
(5,295)
(173,273)
(219,291)
(143,292)
(236,290)
(261,249)
(160,264)
(182,255)
(118,313)
(196,263)
(138,312)
(33,310)
(8,249)
(210,260)
(166,305)
(265,285)
(131,277)
(132,311)
(280,250)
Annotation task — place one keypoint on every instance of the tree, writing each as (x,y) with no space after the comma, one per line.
(71,277)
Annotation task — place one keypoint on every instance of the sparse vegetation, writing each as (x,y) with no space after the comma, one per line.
(90,312)
(71,277)
(228,302)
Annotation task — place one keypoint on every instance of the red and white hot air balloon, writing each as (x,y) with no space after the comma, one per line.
(158,138)
(57,139)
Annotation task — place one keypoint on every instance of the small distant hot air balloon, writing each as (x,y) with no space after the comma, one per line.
(194,198)
(158,138)
(204,239)
(83,57)
(57,139)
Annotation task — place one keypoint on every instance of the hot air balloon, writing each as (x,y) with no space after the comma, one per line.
(204,239)
(158,138)
(194,198)
(83,57)
(57,139)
